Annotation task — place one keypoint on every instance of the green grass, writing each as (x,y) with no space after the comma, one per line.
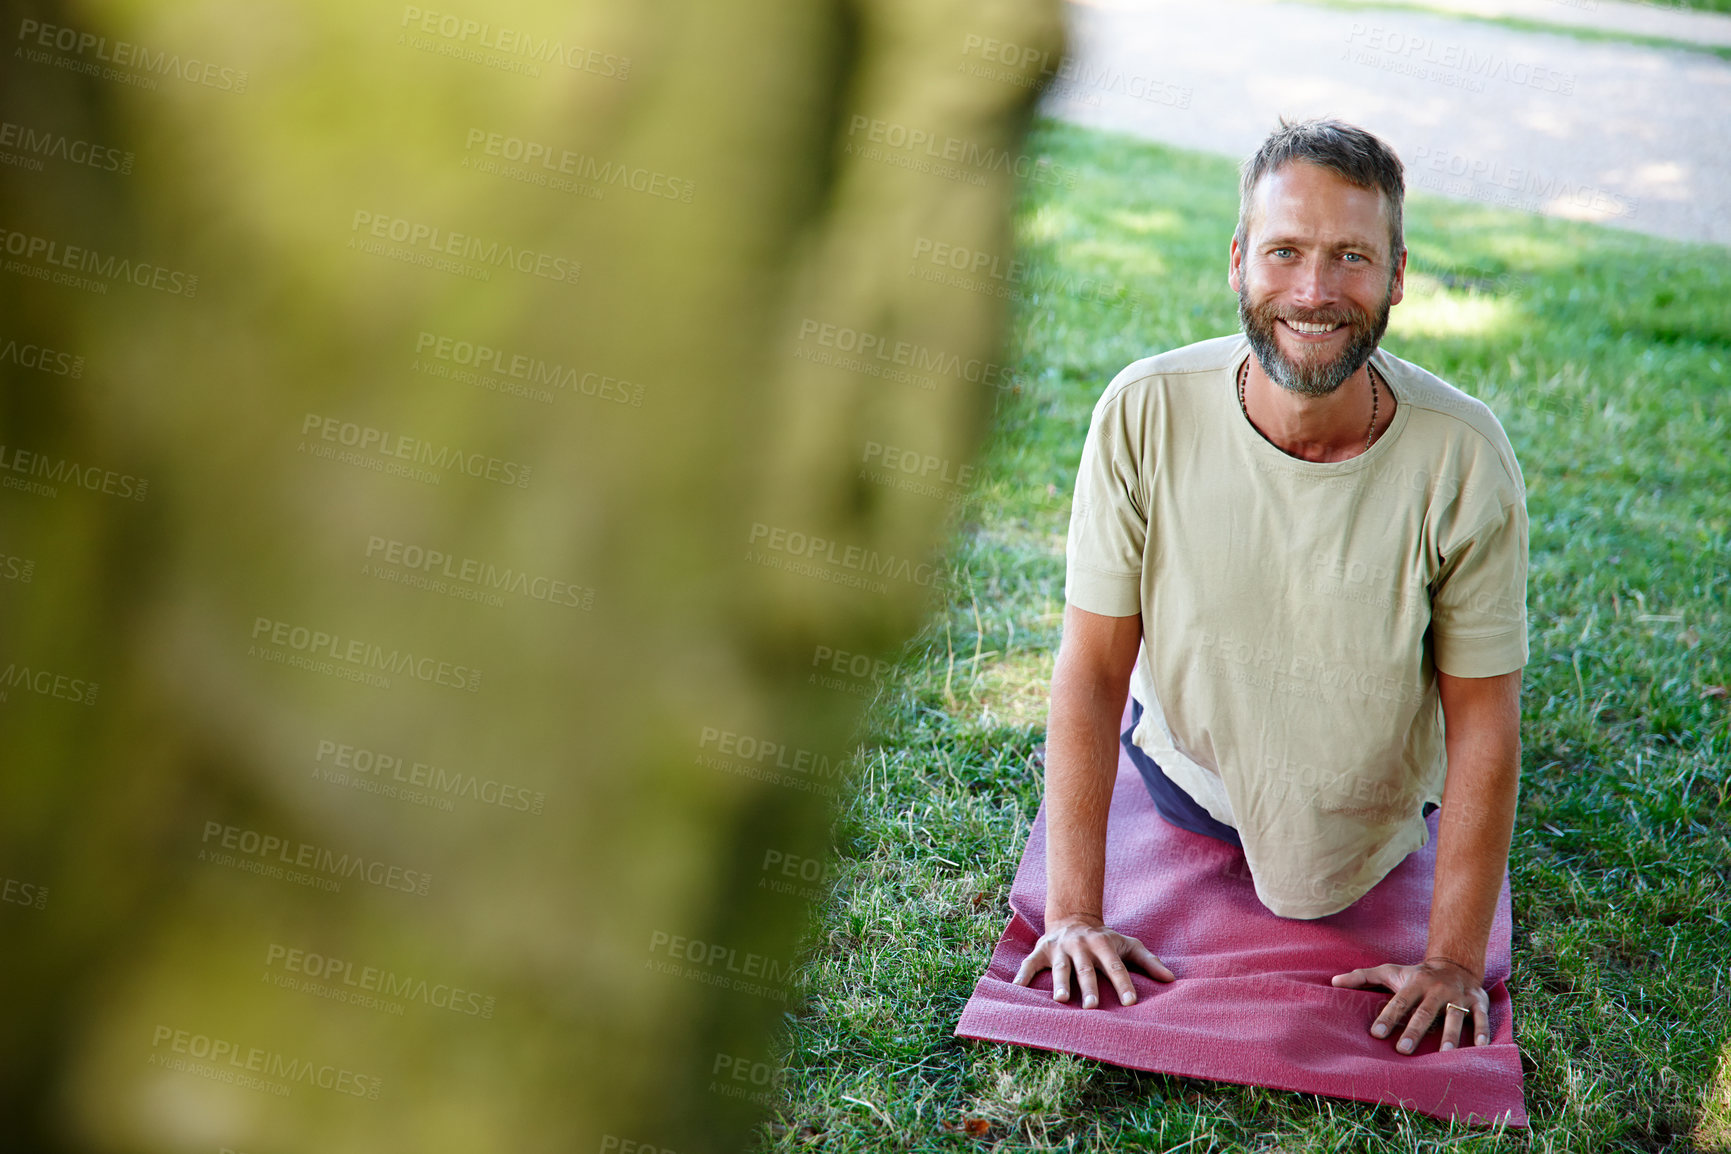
(1522,24)
(1607,357)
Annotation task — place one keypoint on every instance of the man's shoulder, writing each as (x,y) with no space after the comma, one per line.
(1454,413)
(1150,375)
(1425,390)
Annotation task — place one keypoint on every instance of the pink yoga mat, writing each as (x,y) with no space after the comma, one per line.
(1252,1003)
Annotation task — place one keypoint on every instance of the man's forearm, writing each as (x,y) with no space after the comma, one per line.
(1472,855)
(1081,769)
(1482,719)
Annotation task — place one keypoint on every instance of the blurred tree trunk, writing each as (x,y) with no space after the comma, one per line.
(457,466)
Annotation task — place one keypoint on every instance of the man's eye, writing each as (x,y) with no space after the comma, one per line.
(1281,252)
(1355,258)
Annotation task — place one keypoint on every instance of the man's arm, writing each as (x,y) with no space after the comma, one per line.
(1090,684)
(1481,720)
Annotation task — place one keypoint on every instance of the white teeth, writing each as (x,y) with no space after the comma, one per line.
(1303,327)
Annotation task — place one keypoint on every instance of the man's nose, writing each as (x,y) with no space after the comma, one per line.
(1313,284)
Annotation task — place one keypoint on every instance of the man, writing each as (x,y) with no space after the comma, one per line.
(1306,558)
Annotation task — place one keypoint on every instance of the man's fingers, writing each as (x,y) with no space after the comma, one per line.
(1421,1008)
(1454,1016)
(1422,1016)
(1393,1013)
(1116,973)
(1389,976)
(1032,965)
(1085,978)
(1145,958)
(1075,962)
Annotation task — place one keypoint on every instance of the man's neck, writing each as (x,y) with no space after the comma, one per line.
(1330,428)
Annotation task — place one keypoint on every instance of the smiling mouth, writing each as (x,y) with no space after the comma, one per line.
(1309,329)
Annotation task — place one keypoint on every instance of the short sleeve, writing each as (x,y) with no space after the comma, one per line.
(1479,604)
(1108,522)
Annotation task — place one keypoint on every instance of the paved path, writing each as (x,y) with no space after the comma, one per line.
(1624,135)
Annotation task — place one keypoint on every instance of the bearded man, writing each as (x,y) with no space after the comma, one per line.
(1305,559)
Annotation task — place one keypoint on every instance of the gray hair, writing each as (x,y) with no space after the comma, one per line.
(1356,156)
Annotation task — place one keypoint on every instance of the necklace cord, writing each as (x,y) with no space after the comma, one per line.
(1375,399)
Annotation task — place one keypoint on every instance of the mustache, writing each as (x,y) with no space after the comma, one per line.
(1313,316)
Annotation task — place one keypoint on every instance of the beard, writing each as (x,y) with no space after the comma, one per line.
(1312,375)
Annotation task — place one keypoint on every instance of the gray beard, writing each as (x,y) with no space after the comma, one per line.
(1313,378)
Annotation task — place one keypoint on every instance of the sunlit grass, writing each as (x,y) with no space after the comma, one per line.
(1442,313)
(1713,1132)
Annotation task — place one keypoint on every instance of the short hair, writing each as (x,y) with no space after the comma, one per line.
(1356,156)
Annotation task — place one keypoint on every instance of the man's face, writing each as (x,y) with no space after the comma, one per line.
(1315,279)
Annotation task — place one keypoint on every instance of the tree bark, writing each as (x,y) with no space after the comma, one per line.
(422,713)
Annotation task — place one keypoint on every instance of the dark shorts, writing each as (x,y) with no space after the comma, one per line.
(1174,804)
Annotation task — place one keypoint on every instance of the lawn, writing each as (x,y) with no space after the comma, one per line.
(1607,357)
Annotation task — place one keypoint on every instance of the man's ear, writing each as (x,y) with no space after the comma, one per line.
(1399,289)
(1234,259)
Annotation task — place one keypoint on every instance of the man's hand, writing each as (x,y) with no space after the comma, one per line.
(1482,724)
(1082,944)
(1425,991)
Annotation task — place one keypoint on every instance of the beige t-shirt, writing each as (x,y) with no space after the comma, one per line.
(1294,613)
